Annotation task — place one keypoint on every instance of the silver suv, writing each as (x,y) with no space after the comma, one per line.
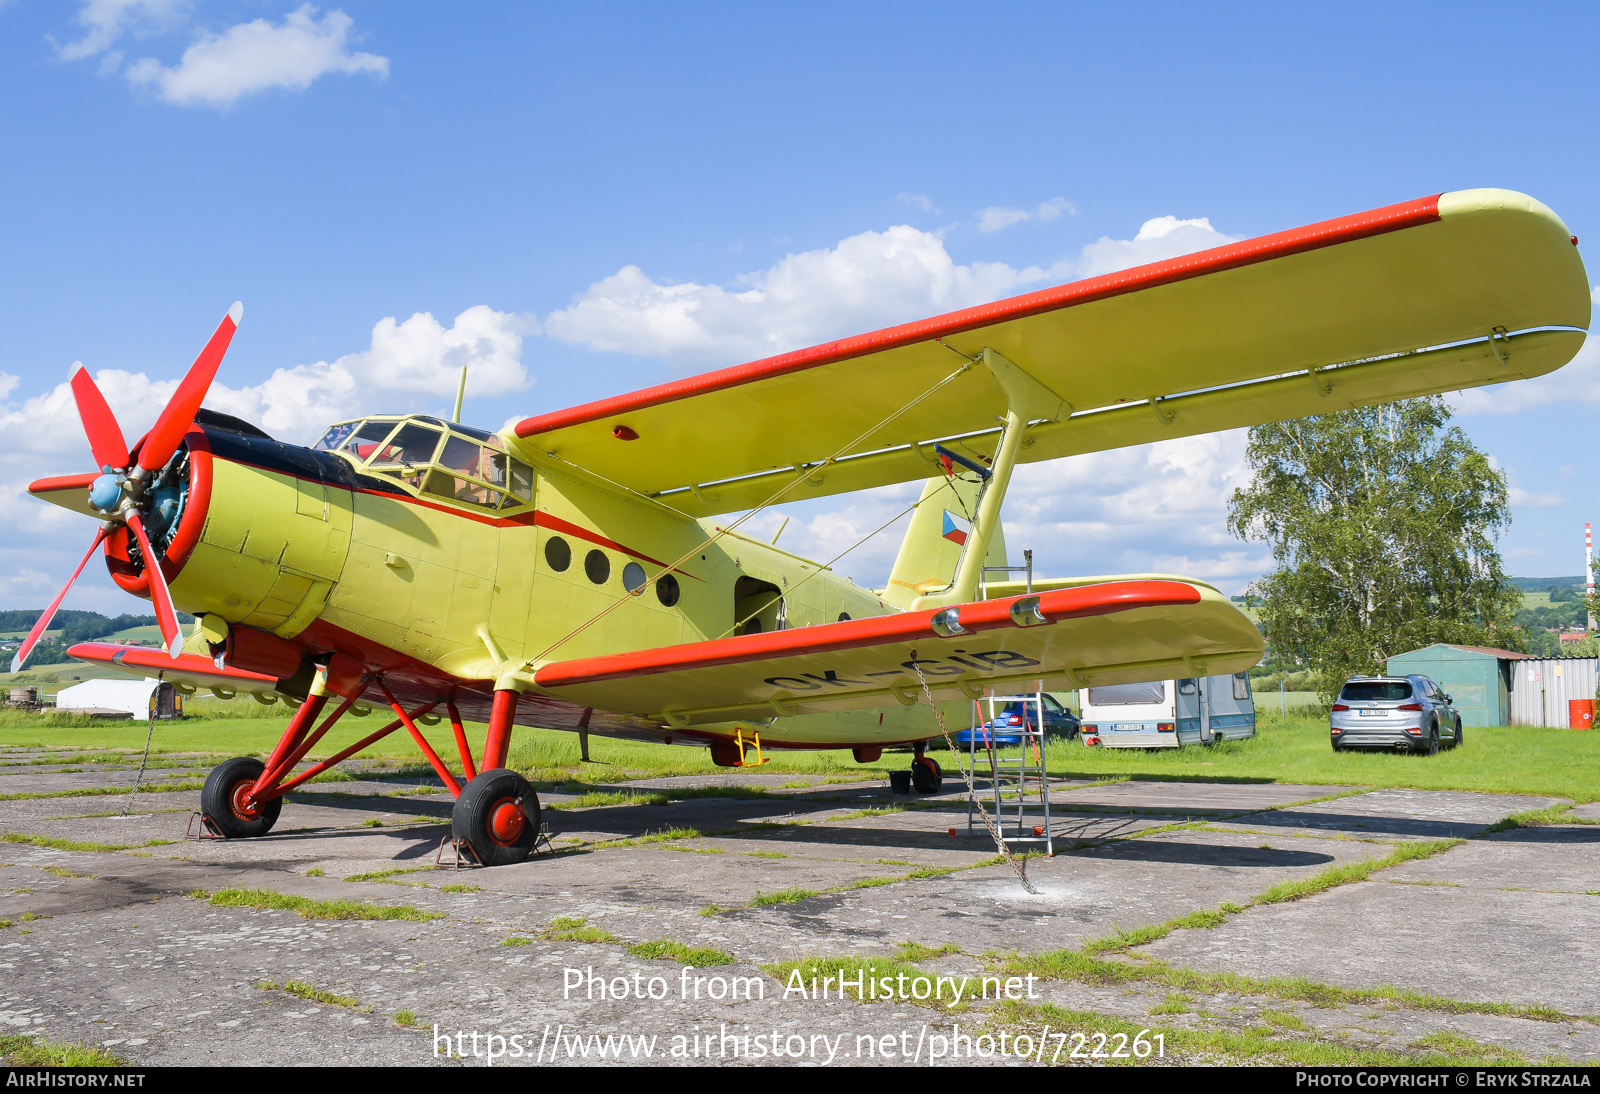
(1400,712)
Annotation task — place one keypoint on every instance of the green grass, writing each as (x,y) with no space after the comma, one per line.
(1222,1046)
(102,791)
(1503,760)
(1284,1019)
(1459,1044)
(405,1018)
(1537,818)
(26,1052)
(63,844)
(387,877)
(665,949)
(317,995)
(307,908)
(461,888)
(916,951)
(791,895)
(570,929)
(1300,888)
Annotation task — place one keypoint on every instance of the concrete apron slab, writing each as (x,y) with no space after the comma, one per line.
(1436,926)
(1403,813)
(124,958)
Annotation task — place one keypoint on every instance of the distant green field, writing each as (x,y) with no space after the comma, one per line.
(1519,760)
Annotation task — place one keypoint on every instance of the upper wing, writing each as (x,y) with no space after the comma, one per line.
(1118,631)
(1388,304)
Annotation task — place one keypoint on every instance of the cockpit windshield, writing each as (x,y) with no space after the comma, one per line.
(469,467)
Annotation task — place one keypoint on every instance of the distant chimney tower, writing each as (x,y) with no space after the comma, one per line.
(1588,567)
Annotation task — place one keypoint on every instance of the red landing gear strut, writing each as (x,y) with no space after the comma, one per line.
(496,814)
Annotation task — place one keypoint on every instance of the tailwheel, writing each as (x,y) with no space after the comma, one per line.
(497,814)
(926,775)
(225,803)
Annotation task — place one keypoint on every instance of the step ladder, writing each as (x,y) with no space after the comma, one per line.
(1018,795)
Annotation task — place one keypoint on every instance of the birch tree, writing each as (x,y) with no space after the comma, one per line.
(1383,523)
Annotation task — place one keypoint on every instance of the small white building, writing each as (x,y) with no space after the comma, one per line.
(138,699)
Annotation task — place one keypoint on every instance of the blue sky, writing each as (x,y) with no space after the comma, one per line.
(574,198)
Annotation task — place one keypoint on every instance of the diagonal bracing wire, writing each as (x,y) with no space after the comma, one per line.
(722,531)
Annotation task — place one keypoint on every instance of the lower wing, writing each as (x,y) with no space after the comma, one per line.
(1113,631)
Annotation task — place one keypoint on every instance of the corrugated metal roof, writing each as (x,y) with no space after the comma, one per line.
(1487,651)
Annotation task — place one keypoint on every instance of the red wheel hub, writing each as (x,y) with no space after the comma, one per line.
(506,822)
(244,806)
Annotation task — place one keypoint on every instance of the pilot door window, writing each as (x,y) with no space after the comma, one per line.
(407,454)
(473,474)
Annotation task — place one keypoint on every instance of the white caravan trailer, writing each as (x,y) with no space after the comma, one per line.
(1169,713)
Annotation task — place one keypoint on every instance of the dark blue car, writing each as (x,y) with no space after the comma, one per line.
(1005,729)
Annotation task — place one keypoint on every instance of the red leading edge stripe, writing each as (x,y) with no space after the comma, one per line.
(1328,233)
(1089,600)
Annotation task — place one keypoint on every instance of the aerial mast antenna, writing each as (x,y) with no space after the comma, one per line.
(461,393)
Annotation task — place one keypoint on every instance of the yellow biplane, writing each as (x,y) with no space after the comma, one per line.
(574,571)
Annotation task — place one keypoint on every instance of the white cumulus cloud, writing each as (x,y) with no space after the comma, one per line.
(219,69)
(1522,499)
(1158,238)
(996,217)
(105,21)
(867,281)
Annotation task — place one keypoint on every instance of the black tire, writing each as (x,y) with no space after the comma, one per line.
(220,800)
(926,775)
(1457,742)
(1432,747)
(497,836)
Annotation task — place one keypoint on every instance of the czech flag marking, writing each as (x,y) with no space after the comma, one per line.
(953,531)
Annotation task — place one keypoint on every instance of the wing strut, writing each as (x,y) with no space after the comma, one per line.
(1027,401)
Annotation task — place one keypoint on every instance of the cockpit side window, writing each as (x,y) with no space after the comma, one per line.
(413,445)
(335,436)
(367,439)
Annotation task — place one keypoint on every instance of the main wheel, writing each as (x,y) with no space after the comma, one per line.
(222,799)
(1433,740)
(926,775)
(1457,742)
(498,815)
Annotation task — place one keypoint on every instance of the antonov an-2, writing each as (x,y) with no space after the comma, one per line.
(574,572)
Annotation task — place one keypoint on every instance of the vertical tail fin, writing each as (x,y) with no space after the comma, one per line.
(936,538)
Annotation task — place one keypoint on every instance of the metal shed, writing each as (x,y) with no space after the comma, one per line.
(1541,688)
(1478,678)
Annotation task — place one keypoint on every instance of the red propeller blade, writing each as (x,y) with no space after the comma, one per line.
(171,633)
(164,437)
(105,435)
(49,613)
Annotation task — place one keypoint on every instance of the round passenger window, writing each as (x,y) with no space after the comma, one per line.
(558,553)
(633,577)
(667,590)
(597,566)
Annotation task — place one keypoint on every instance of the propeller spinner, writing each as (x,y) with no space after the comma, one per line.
(122,492)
